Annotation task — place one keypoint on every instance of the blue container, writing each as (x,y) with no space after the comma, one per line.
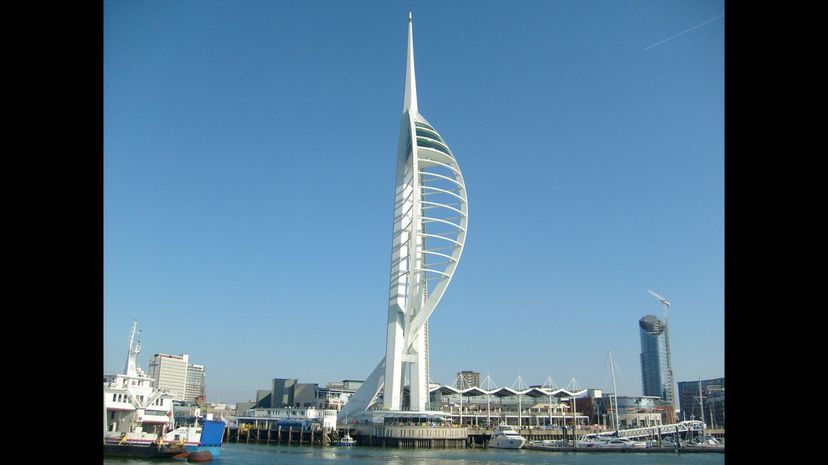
(211,433)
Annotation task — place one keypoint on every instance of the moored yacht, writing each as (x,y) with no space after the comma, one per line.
(505,437)
(611,442)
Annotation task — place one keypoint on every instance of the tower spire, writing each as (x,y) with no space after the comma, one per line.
(410,102)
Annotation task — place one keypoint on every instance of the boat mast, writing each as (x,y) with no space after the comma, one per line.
(134,350)
(614,394)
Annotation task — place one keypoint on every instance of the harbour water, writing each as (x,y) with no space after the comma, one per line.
(261,454)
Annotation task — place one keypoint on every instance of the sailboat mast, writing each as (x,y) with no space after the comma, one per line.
(614,393)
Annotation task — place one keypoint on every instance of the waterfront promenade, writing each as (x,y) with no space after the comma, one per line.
(411,437)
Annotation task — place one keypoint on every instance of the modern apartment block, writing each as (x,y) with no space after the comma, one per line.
(467,379)
(712,392)
(195,386)
(174,372)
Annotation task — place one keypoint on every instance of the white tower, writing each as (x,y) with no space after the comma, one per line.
(429,230)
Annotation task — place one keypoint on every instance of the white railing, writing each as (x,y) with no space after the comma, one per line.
(680,427)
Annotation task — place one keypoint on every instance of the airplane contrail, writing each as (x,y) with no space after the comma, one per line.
(682,33)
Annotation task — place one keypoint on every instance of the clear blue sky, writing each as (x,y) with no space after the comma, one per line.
(249,157)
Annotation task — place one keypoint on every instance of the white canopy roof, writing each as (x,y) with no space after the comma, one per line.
(507,392)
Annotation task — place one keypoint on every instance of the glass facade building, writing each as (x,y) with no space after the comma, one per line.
(713,393)
(655,380)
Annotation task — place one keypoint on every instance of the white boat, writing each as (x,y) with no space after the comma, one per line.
(605,442)
(622,443)
(138,418)
(346,440)
(136,414)
(505,437)
(205,434)
(612,442)
(545,444)
(707,441)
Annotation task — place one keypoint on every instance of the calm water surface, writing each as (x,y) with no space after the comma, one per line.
(253,454)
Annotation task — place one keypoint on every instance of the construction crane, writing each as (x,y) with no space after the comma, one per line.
(665,304)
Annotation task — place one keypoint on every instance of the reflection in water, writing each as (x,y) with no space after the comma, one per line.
(260,454)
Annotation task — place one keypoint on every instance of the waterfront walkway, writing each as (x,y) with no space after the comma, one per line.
(454,437)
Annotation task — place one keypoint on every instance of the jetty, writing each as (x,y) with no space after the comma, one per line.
(459,437)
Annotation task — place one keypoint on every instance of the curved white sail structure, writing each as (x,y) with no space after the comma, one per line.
(429,230)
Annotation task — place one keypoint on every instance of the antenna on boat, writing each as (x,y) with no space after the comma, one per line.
(134,350)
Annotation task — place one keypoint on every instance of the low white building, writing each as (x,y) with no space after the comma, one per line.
(305,418)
